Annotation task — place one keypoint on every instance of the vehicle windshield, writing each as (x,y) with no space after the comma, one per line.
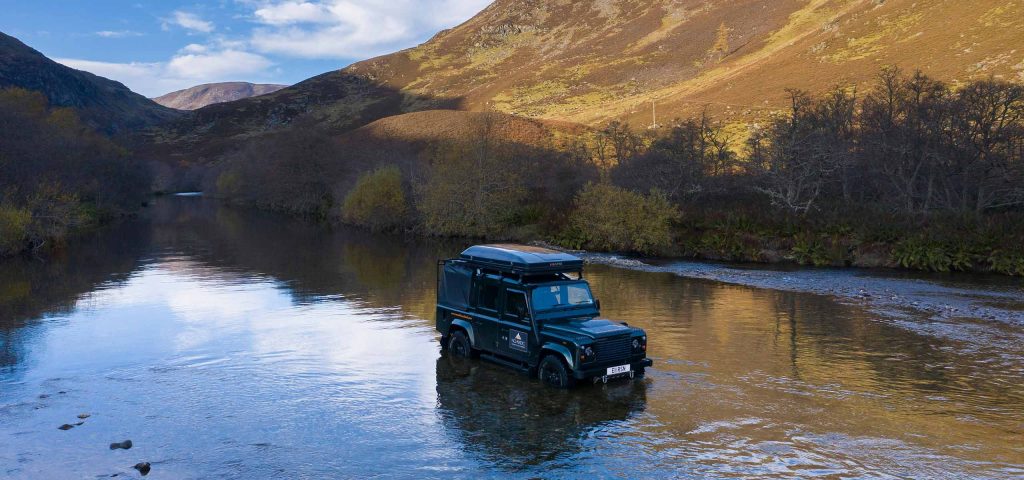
(565,295)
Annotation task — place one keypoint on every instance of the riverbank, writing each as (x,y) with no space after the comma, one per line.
(941,298)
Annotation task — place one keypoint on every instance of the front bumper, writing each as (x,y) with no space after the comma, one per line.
(600,371)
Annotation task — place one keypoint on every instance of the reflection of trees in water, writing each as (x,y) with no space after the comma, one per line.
(314,260)
(34,288)
(513,422)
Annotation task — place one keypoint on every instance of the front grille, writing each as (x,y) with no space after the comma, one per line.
(615,349)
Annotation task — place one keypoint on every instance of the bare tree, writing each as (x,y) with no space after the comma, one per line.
(794,172)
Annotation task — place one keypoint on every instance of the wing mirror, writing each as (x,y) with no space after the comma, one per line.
(597,303)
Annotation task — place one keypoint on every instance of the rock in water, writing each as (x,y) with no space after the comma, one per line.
(125,445)
(143,468)
(83,416)
(66,427)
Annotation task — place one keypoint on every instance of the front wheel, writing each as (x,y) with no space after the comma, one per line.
(458,345)
(552,372)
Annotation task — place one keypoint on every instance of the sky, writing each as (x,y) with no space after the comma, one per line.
(156,47)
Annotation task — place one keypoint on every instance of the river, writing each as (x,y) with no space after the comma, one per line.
(233,344)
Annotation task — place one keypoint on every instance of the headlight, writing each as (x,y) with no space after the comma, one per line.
(587,354)
(639,344)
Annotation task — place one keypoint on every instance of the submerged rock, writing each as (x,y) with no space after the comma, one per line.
(125,445)
(83,416)
(143,468)
(66,427)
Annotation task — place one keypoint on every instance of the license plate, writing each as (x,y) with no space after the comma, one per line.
(618,370)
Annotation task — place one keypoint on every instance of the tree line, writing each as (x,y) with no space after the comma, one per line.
(58,174)
(916,173)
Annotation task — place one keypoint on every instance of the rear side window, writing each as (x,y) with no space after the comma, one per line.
(488,296)
(455,282)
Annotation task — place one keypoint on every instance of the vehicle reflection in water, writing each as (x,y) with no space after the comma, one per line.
(236,344)
(513,422)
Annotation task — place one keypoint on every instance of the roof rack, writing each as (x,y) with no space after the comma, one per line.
(522,259)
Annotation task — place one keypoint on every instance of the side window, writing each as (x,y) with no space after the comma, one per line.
(488,296)
(515,306)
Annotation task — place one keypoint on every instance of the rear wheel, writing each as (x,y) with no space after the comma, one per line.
(553,372)
(458,345)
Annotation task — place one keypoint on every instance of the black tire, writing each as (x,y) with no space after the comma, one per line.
(640,372)
(459,346)
(553,373)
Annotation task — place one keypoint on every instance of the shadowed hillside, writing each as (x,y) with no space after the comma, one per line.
(202,95)
(333,103)
(103,104)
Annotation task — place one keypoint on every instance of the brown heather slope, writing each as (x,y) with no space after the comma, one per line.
(405,139)
(202,95)
(592,61)
(452,125)
(589,62)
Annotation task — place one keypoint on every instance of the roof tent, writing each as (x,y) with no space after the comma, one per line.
(522,259)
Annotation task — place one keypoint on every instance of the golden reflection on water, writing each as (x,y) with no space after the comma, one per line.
(766,364)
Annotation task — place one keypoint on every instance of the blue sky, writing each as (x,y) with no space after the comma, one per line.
(155,47)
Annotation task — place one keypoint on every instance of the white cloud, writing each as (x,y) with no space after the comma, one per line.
(224,64)
(195,48)
(309,29)
(352,28)
(118,33)
(193,65)
(288,13)
(189,21)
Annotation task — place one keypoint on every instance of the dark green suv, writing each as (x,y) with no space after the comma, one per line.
(529,308)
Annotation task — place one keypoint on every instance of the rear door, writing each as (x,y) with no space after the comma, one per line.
(514,328)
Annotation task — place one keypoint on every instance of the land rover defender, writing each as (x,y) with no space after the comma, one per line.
(530,308)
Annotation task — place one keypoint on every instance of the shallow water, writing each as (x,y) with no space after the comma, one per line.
(232,344)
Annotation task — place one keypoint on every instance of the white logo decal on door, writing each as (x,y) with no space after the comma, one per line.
(517,340)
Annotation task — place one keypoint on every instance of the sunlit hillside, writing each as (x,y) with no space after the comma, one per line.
(592,61)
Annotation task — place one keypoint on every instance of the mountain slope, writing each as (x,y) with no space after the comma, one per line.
(103,104)
(590,62)
(593,61)
(202,95)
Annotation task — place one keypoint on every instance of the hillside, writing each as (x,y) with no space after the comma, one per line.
(202,95)
(407,138)
(103,104)
(592,61)
(589,62)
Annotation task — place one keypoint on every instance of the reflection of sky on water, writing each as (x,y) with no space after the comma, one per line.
(200,339)
(244,349)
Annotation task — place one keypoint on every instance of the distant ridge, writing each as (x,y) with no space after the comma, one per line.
(103,104)
(208,94)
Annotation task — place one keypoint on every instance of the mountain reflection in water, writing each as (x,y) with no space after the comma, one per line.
(235,344)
